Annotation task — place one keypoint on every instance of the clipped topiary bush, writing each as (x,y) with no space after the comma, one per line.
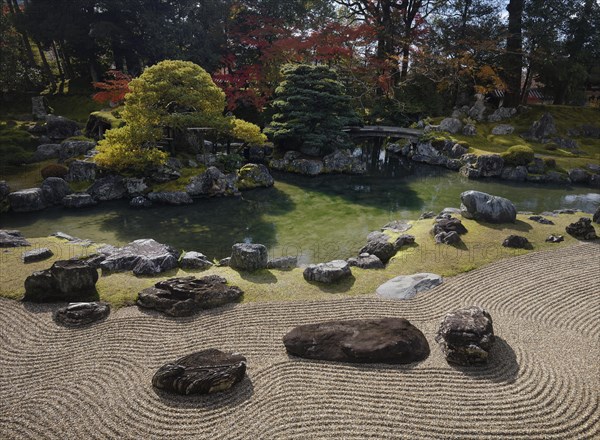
(54,170)
(518,155)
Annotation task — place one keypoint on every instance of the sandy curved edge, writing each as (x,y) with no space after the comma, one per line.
(542,381)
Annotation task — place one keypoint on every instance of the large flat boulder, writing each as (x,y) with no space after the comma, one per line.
(80,170)
(407,286)
(27,200)
(187,296)
(385,340)
(143,257)
(328,273)
(466,336)
(12,238)
(66,280)
(38,254)
(108,188)
(82,313)
(203,372)
(481,206)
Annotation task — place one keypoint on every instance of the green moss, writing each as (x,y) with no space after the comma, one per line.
(109,117)
(78,138)
(80,186)
(24,176)
(518,155)
(74,106)
(480,246)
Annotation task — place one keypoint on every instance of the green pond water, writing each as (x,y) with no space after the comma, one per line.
(318,219)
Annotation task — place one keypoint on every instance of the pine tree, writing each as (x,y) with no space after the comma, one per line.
(311,110)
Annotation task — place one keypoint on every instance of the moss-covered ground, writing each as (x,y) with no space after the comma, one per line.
(480,246)
(565,118)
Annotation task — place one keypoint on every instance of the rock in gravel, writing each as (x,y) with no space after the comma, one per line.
(328,272)
(466,336)
(555,238)
(582,229)
(67,280)
(203,372)
(194,260)
(480,206)
(36,255)
(283,263)
(143,257)
(249,256)
(407,286)
(185,296)
(82,313)
(12,238)
(366,261)
(516,242)
(385,340)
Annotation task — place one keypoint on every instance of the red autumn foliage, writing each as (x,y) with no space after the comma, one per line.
(112,90)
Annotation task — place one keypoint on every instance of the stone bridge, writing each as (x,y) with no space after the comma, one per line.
(384,131)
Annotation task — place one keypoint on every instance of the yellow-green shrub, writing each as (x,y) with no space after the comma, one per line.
(518,155)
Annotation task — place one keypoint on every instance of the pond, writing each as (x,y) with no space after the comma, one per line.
(316,218)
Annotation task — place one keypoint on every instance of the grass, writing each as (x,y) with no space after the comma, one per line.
(565,118)
(481,246)
(24,176)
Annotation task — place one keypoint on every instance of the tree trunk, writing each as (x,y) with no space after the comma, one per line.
(514,53)
(46,67)
(14,9)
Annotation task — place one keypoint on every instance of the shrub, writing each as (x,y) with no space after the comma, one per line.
(13,155)
(247,132)
(518,155)
(78,138)
(54,170)
(549,163)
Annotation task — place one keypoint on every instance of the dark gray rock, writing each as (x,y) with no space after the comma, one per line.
(582,229)
(140,202)
(503,129)
(586,131)
(385,340)
(490,165)
(78,200)
(59,128)
(447,238)
(187,296)
(27,200)
(213,183)
(163,174)
(39,109)
(80,171)
(478,110)
(537,166)
(37,255)
(195,260)
(556,177)
(203,372)
(170,198)
(466,336)
(470,172)
(403,240)
(427,215)
(66,280)
(469,130)
(555,238)
(502,113)
(283,263)
(342,161)
(485,207)
(596,217)
(407,286)
(595,181)
(70,149)
(54,190)
(542,129)
(12,238)
(306,167)
(448,225)
(135,186)
(253,175)
(4,192)
(224,262)
(108,188)
(379,244)
(451,125)
(541,220)
(516,242)
(46,152)
(248,256)
(82,313)
(327,273)
(577,175)
(457,151)
(366,261)
(143,257)
(517,174)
